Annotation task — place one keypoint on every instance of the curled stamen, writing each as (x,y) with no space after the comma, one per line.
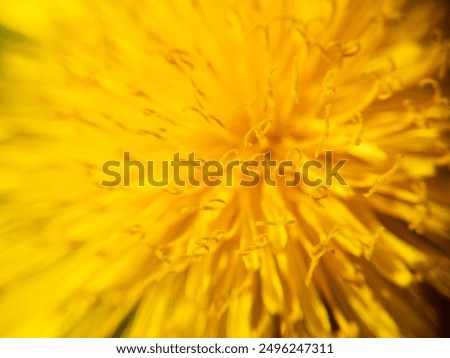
(262,241)
(215,119)
(204,207)
(219,201)
(295,155)
(135,230)
(387,12)
(300,29)
(320,192)
(324,135)
(258,131)
(197,163)
(157,133)
(351,49)
(228,154)
(197,254)
(149,111)
(437,97)
(177,58)
(388,80)
(335,52)
(214,238)
(282,222)
(275,171)
(198,93)
(332,49)
(258,156)
(192,209)
(358,118)
(317,253)
(267,93)
(247,138)
(173,191)
(206,116)
(251,101)
(328,84)
(202,246)
(217,235)
(381,67)
(382,180)
(323,245)
(417,115)
(264,125)
(198,111)
(385,90)
(162,255)
(220,305)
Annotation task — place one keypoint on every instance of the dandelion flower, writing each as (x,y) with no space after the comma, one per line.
(83,82)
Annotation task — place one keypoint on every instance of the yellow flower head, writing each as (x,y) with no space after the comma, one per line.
(83,82)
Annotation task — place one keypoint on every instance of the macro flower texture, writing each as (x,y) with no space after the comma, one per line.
(83,82)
